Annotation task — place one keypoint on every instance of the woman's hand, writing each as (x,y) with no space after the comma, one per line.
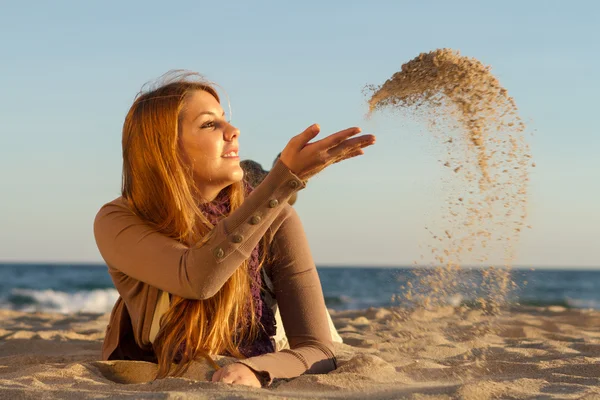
(307,159)
(237,374)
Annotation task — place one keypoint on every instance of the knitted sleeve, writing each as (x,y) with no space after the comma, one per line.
(130,245)
(300,299)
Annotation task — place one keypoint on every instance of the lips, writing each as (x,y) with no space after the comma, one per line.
(230,153)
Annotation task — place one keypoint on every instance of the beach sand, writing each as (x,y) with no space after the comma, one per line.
(542,353)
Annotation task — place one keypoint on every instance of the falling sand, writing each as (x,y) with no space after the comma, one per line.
(487,160)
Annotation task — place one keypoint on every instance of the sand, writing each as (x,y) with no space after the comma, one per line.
(465,109)
(547,353)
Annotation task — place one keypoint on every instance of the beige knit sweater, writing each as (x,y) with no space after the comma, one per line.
(143,264)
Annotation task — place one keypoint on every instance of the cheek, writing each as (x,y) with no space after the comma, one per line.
(202,151)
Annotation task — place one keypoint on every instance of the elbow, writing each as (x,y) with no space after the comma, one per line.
(323,366)
(323,358)
(195,278)
(204,293)
(198,291)
(195,294)
(330,360)
(328,363)
(201,289)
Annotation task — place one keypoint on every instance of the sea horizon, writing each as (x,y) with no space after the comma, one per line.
(87,287)
(328,265)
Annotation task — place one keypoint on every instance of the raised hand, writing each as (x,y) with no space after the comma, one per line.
(307,159)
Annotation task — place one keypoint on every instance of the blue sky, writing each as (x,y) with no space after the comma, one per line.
(70,70)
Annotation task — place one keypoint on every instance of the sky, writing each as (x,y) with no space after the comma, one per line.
(70,70)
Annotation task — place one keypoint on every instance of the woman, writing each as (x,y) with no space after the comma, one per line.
(188,240)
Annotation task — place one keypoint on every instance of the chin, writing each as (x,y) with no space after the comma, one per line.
(235,178)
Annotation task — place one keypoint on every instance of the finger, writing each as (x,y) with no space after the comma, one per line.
(369,140)
(350,154)
(337,138)
(217,375)
(247,382)
(228,378)
(352,144)
(309,134)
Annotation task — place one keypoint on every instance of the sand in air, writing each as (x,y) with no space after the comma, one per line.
(473,117)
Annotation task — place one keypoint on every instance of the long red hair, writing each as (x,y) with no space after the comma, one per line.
(159,187)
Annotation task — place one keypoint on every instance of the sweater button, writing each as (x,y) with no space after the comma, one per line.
(294,184)
(273,203)
(254,220)
(219,253)
(237,238)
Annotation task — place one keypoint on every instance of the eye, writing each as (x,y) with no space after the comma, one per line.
(209,124)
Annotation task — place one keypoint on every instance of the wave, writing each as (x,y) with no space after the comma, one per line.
(566,302)
(88,301)
(343,302)
(583,303)
(332,301)
(103,300)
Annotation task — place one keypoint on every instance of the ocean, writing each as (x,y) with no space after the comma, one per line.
(68,288)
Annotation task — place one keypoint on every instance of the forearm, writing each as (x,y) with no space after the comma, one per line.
(133,247)
(308,359)
(300,300)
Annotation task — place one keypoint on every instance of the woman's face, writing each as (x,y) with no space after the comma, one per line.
(209,144)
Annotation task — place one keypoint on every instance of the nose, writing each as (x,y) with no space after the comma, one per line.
(230,132)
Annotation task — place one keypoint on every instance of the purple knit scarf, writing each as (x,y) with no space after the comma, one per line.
(215,211)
